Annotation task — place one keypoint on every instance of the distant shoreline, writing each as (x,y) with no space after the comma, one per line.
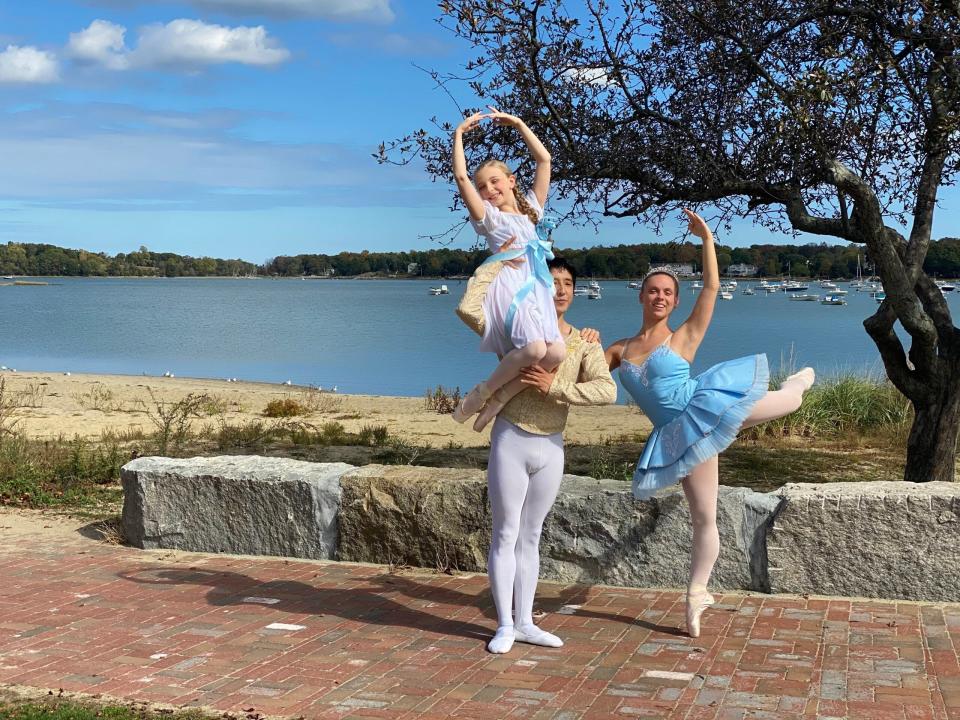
(430,278)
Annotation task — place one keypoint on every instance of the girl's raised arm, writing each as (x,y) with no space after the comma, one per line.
(468,193)
(689,335)
(541,180)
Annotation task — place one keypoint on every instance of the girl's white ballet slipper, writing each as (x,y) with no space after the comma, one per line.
(502,642)
(532,635)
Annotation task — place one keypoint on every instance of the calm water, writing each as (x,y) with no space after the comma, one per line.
(383,337)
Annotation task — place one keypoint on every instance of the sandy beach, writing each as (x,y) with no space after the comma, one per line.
(49,405)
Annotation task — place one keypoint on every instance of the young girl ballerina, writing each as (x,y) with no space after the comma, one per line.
(521,323)
(696,418)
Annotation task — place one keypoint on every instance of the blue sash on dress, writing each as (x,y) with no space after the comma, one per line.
(537,254)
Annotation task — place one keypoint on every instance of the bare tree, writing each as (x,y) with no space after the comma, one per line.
(837,118)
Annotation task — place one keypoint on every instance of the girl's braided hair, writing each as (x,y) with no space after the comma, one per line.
(522,204)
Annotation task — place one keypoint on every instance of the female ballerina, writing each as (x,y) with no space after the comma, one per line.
(521,324)
(694,419)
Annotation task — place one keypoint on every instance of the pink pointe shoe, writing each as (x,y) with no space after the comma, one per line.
(697,602)
(806,376)
(471,403)
(490,410)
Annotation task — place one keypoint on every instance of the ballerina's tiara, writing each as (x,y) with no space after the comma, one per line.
(662,270)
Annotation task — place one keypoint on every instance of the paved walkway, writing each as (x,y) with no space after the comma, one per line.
(328,640)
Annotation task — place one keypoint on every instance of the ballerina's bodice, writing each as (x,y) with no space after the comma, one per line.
(661,385)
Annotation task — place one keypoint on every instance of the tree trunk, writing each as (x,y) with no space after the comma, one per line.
(932,444)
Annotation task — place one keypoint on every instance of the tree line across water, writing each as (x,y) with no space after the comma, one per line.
(621,261)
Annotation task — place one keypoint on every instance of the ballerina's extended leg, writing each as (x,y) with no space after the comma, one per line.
(777,403)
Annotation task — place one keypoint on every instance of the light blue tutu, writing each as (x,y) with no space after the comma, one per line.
(693,418)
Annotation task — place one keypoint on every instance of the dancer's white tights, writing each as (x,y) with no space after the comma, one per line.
(524,477)
(777,403)
(701,488)
(702,485)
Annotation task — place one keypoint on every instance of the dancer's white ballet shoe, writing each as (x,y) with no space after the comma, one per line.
(502,641)
(490,410)
(532,635)
(697,602)
(806,376)
(471,403)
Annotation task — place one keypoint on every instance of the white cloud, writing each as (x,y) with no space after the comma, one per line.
(27,65)
(101,43)
(192,42)
(179,43)
(587,76)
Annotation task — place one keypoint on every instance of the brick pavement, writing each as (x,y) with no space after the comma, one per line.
(329,640)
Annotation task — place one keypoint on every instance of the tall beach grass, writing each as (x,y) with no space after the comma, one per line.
(843,405)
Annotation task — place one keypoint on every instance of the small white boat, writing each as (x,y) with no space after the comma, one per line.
(696,285)
(594,285)
(804,297)
(594,294)
(442,290)
(833,299)
(794,286)
(838,291)
(944,286)
(749,291)
(732,283)
(827,285)
(581,291)
(726,295)
(635,284)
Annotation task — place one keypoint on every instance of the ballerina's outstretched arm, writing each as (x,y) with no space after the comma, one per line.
(686,340)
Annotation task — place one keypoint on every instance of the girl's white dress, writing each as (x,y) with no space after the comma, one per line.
(536,316)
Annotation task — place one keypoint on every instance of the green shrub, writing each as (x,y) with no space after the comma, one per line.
(41,473)
(442,400)
(284,408)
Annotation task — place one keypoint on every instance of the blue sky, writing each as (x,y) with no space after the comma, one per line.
(232,128)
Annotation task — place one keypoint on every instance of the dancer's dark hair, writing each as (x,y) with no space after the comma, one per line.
(560,263)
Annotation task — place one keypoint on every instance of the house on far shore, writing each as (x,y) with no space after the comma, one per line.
(413,268)
(741,270)
(681,269)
